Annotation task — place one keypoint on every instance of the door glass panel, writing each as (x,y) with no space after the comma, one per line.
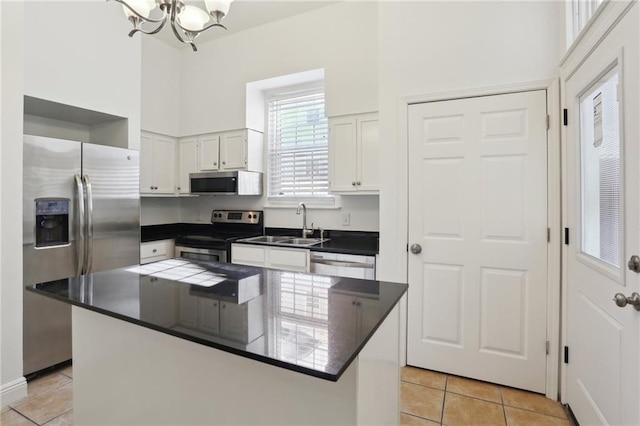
(601,182)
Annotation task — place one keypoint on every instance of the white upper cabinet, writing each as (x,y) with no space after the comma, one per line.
(209,152)
(233,150)
(157,164)
(353,153)
(187,162)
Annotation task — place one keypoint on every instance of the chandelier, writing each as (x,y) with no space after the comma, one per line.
(187,22)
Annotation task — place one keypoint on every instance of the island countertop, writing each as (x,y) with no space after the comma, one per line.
(309,323)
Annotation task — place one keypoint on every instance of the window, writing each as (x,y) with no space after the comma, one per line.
(579,13)
(601,172)
(298,150)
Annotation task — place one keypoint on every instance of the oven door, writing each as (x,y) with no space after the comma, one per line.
(207,255)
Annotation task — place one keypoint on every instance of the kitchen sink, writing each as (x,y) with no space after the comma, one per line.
(302,241)
(283,240)
(268,239)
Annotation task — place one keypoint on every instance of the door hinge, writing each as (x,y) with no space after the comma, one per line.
(566,236)
(546,347)
(548,121)
(566,354)
(548,235)
(565,117)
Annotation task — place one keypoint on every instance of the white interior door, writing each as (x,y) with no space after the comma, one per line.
(602,214)
(478,208)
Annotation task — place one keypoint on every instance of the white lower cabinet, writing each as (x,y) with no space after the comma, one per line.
(288,259)
(208,315)
(154,251)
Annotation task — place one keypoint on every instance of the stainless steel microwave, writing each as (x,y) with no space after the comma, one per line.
(226,183)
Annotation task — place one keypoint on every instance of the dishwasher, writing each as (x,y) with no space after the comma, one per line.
(343,265)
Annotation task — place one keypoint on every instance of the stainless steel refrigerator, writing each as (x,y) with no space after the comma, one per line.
(81,214)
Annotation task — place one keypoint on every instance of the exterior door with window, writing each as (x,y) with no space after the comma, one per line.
(477,300)
(603,217)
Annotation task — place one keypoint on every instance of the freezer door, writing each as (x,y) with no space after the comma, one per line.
(111,176)
(50,204)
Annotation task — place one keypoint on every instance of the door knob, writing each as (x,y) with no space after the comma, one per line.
(416,248)
(622,300)
(634,264)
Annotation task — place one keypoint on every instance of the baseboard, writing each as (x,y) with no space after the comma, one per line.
(13,391)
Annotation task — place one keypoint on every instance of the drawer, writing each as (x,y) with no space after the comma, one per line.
(247,254)
(153,249)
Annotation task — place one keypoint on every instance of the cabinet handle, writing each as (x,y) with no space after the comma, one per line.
(353,302)
(358,183)
(353,183)
(215,163)
(224,162)
(358,304)
(178,188)
(155,250)
(151,187)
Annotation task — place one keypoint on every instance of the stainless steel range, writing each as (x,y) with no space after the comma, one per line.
(228,226)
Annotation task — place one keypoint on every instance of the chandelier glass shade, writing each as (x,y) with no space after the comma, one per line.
(187,21)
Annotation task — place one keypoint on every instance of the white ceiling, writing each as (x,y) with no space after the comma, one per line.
(246,14)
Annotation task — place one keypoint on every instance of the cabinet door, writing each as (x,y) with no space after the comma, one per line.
(246,254)
(188,162)
(233,321)
(146,163)
(209,315)
(368,314)
(187,309)
(208,152)
(289,259)
(367,147)
(342,154)
(164,164)
(233,150)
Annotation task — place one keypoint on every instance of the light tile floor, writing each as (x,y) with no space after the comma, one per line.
(427,398)
(49,402)
(431,398)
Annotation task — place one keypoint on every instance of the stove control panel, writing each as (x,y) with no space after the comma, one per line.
(236,216)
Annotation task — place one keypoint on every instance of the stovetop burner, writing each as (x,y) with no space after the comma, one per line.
(227,226)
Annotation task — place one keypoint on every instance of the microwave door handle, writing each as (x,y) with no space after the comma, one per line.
(80,226)
(89,240)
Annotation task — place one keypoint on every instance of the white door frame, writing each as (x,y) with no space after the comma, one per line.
(553,199)
(604,20)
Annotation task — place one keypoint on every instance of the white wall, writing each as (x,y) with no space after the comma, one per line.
(12,384)
(431,47)
(156,211)
(340,38)
(78,53)
(161,65)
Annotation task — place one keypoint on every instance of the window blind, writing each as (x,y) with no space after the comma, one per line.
(602,173)
(298,145)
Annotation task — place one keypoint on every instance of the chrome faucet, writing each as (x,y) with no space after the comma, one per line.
(305,231)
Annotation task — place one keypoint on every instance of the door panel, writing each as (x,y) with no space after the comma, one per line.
(602,210)
(233,150)
(49,169)
(478,208)
(113,173)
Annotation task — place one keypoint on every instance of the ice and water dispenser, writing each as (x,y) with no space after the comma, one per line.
(52,222)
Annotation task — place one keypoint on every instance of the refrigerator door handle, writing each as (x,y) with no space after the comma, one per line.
(89,240)
(81,216)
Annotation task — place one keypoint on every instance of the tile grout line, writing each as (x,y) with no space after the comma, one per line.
(444,398)
(504,408)
(59,415)
(25,416)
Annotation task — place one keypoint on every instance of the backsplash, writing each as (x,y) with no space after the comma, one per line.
(363,212)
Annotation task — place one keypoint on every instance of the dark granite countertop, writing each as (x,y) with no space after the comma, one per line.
(347,242)
(312,324)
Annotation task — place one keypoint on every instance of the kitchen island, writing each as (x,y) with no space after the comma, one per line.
(186,342)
